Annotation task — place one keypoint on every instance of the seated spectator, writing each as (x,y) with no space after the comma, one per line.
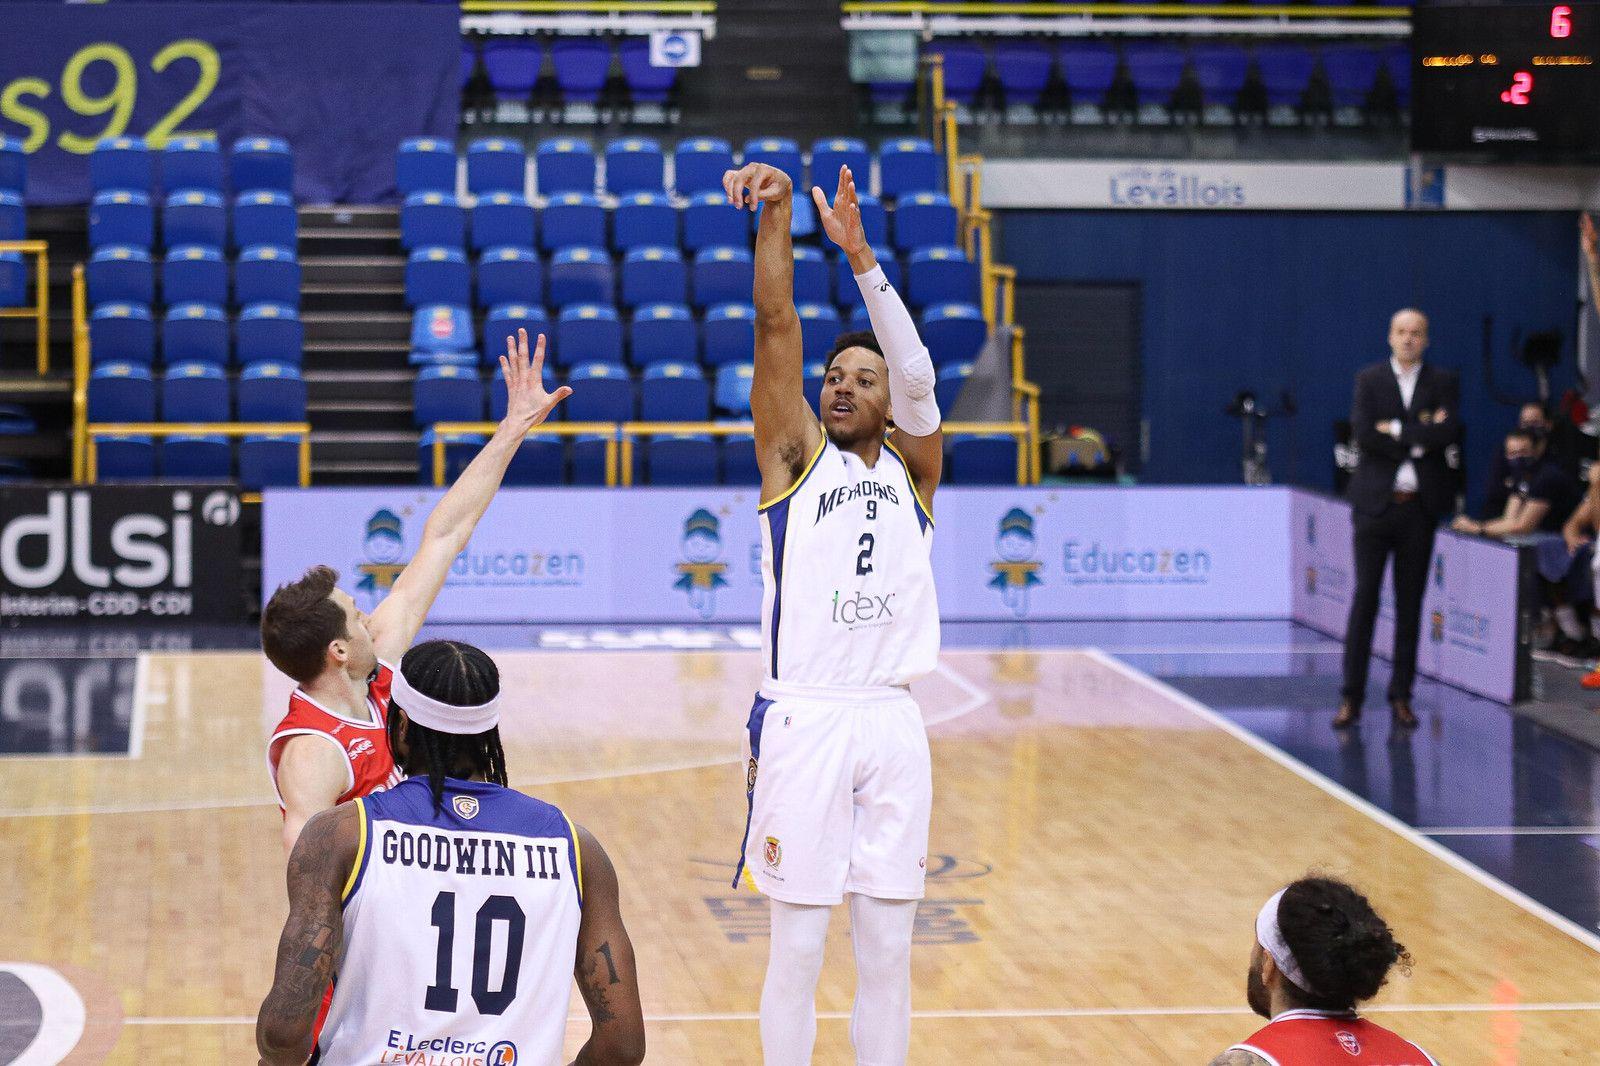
(1556,439)
(1578,535)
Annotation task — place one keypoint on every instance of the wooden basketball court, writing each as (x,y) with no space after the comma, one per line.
(1100,847)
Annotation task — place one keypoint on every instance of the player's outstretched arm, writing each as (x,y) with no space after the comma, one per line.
(308,951)
(786,429)
(912,406)
(312,775)
(605,967)
(395,622)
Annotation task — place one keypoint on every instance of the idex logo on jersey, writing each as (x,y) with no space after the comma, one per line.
(871,490)
(857,610)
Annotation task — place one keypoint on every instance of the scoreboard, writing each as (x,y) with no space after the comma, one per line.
(1514,81)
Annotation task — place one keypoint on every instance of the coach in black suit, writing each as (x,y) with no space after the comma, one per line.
(1404,417)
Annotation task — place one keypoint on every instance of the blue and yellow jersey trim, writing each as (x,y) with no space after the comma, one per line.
(916,493)
(801,480)
(577,855)
(358,867)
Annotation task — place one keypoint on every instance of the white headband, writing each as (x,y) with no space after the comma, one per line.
(1270,936)
(446,718)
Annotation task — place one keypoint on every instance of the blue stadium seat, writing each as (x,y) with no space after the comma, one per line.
(635,164)
(947,389)
(513,64)
(802,219)
(953,332)
(122,392)
(1023,68)
(819,328)
(681,459)
(499,400)
(730,334)
(272,392)
(908,165)
(564,164)
(923,220)
(647,84)
(890,91)
(674,392)
(13,166)
(698,165)
(831,153)
(194,273)
(196,457)
(811,383)
(122,163)
(495,164)
(588,333)
(541,460)
(265,274)
(116,216)
(1221,70)
(601,392)
(1285,72)
(778,152)
(644,218)
(813,284)
(739,460)
(126,457)
(503,321)
(447,393)
(192,163)
(263,163)
(1397,61)
(723,275)
(269,461)
(121,274)
(1089,68)
(982,459)
(194,216)
(14,471)
(589,458)
(573,219)
(941,275)
(440,330)
(438,276)
(271,333)
(860,319)
(965,64)
(265,216)
(13,280)
(581,65)
(122,333)
(710,221)
(459,450)
(1351,69)
(733,389)
(502,218)
(848,292)
(194,392)
(1156,69)
(424,164)
(509,275)
(654,275)
(581,275)
(874,219)
(432,219)
(663,332)
(194,332)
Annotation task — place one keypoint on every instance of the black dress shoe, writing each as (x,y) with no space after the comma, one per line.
(1404,716)
(1349,714)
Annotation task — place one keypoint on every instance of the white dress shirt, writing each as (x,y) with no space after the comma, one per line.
(1405,479)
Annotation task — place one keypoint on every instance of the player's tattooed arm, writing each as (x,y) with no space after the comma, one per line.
(1238,1057)
(309,947)
(605,966)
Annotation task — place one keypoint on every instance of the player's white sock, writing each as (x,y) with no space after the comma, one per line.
(789,994)
(880,1024)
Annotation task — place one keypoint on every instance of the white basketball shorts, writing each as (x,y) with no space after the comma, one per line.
(841,789)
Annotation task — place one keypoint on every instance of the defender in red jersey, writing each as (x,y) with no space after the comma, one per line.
(332,746)
(1320,950)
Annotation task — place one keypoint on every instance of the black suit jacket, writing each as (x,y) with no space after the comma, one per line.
(1377,399)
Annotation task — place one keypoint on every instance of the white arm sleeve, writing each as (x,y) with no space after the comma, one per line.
(911,398)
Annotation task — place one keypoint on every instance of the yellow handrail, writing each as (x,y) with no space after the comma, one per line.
(80,374)
(1035,9)
(561,429)
(661,429)
(96,430)
(40,311)
(584,7)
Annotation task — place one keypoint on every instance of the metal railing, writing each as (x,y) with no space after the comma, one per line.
(80,374)
(95,430)
(441,430)
(40,311)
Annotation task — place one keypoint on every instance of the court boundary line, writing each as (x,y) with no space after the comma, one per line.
(1509,830)
(139,711)
(1363,806)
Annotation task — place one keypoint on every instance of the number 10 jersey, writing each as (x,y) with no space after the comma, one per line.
(848,596)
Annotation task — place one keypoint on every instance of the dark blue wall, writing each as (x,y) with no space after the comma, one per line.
(1300,301)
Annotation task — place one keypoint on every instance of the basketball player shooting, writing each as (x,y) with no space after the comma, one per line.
(839,777)
(331,748)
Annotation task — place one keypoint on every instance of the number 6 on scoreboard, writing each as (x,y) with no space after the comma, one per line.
(1561,21)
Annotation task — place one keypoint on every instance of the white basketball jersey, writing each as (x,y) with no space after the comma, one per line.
(848,596)
(460,931)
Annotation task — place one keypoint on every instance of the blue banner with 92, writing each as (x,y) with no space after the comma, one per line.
(342,83)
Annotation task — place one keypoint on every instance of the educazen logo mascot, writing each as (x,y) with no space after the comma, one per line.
(700,574)
(384,546)
(1017,570)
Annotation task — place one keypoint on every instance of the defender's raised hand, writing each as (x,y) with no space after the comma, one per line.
(842,221)
(527,402)
(755,184)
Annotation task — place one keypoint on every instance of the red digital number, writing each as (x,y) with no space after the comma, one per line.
(1561,21)
(1521,86)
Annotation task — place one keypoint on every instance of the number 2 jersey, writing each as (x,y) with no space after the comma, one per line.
(460,930)
(848,596)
